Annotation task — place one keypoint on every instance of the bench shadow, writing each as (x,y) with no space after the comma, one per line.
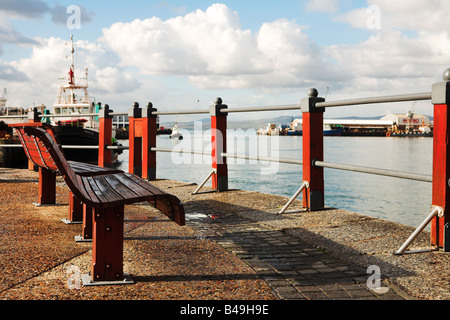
(198,277)
(233,214)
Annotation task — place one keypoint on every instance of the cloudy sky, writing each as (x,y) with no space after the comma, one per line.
(181,55)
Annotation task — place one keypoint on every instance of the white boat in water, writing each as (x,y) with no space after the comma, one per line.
(271,129)
(176,134)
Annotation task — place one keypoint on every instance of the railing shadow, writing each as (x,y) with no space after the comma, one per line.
(307,247)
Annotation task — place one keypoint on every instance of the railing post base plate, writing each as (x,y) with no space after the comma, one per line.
(86,280)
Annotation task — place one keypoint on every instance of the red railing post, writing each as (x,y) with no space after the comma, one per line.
(313,195)
(219,145)
(105,137)
(142,138)
(441,162)
(149,142)
(135,140)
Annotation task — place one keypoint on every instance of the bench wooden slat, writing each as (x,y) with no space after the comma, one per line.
(116,182)
(87,169)
(36,151)
(107,191)
(131,184)
(96,191)
(145,185)
(89,194)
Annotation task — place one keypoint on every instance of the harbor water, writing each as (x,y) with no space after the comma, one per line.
(398,200)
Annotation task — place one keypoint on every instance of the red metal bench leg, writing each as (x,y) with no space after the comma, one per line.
(75,210)
(86,235)
(107,247)
(47,187)
(87,222)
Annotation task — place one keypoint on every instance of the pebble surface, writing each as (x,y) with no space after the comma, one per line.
(233,247)
(168,262)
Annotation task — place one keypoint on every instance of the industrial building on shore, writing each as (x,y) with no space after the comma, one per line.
(409,124)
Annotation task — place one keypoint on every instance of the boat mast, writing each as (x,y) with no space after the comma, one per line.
(72,67)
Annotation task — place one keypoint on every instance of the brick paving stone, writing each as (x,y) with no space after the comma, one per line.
(293,268)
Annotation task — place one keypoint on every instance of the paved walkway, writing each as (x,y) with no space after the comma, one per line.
(294,269)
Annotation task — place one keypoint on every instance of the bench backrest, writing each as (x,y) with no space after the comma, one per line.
(35,150)
(42,149)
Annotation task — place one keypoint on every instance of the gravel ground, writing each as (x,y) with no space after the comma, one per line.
(168,262)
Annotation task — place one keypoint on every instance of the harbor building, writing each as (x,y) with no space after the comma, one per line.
(409,124)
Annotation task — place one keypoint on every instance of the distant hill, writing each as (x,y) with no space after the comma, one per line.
(233,124)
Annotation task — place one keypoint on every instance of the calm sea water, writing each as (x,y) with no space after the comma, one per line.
(404,201)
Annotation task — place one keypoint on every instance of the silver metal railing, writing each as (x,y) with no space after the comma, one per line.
(167,113)
(268,108)
(375,171)
(260,158)
(70,115)
(317,163)
(382,99)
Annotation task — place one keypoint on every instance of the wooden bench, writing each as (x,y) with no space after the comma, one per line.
(78,212)
(106,193)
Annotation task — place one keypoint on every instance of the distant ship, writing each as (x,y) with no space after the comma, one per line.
(10,157)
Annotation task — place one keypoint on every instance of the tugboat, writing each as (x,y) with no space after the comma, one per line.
(81,130)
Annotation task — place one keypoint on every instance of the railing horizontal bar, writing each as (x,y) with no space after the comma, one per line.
(118,113)
(14,117)
(268,108)
(70,147)
(269,159)
(180,151)
(78,147)
(229,155)
(381,172)
(69,115)
(384,99)
(10,146)
(166,113)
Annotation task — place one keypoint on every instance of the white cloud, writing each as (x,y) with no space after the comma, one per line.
(213,51)
(50,60)
(198,43)
(114,80)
